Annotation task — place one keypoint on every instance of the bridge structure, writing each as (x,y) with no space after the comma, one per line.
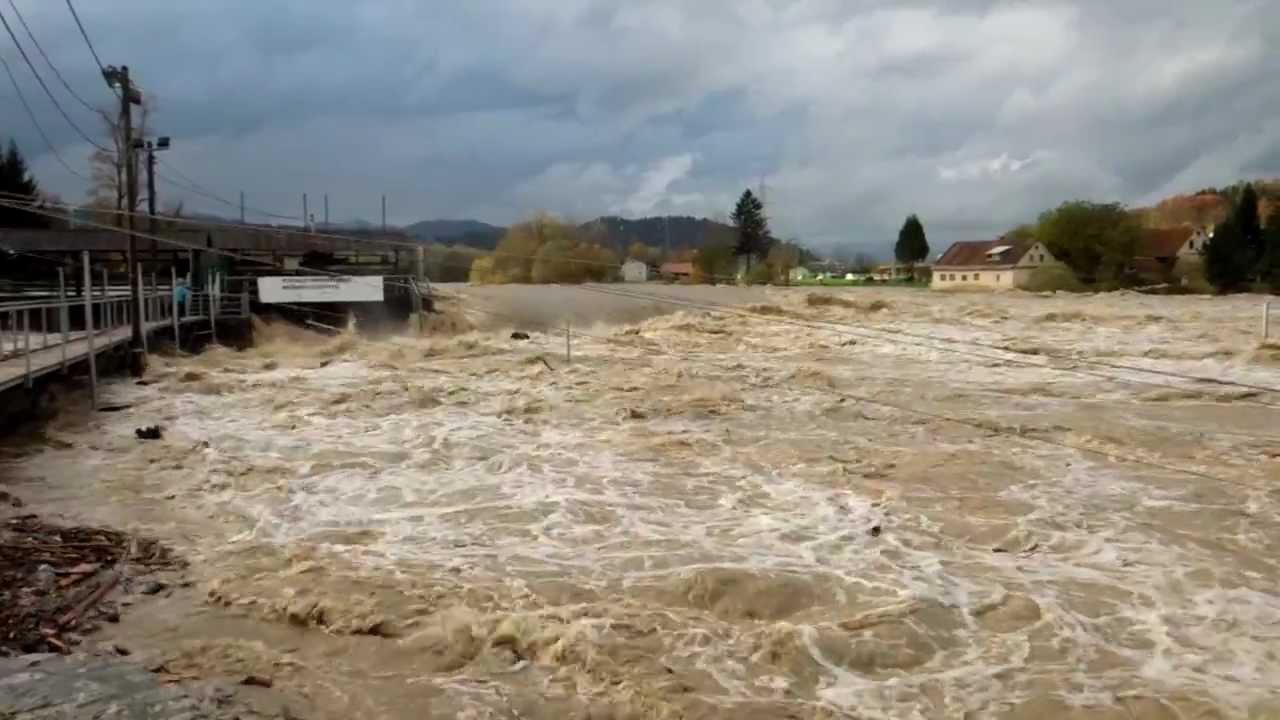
(56,332)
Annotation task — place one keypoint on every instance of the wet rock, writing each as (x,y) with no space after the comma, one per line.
(875,531)
(270,365)
(152,432)
(121,650)
(46,578)
(632,414)
(1013,613)
(10,500)
(519,335)
(151,587)
(257,681)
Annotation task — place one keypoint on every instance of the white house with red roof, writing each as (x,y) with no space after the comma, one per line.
(991,264)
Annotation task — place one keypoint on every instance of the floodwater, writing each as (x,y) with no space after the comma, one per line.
(714,516)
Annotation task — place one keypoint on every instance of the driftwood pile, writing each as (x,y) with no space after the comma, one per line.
(55,581)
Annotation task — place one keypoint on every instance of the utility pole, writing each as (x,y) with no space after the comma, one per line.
(304,212)
(326,210)
(241,207)
(384,214)
(129,96)
(151,148)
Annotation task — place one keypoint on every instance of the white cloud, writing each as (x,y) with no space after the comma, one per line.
(988,169)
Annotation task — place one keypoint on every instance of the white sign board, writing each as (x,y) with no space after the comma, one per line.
(313,289)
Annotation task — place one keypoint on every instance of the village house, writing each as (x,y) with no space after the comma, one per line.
(678,272)
(991,264)
(894,273)
(1163,254)
(635,271)
(799,274)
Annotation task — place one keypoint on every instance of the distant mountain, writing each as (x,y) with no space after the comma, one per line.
(617,232)
(661,232)
(471,233)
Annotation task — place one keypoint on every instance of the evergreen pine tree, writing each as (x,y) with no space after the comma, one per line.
(16,180)
(912,246)
(748,217)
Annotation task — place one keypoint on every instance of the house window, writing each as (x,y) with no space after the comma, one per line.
(1192,244)
(977,277)
(964,278)
(997,278)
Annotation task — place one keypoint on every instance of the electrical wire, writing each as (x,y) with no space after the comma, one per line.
(101,68)
(31,114)
(62,111)
(22,21)
(199,189)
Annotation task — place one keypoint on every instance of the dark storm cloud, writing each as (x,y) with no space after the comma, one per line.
(977,115)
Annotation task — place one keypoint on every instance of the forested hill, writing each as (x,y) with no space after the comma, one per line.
(659,232)
(616,232)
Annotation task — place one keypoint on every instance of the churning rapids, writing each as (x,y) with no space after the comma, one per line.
(699,517)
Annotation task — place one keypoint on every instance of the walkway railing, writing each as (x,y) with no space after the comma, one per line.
(41,336)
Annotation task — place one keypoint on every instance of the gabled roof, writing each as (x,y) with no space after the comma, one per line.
(979,253)
(1163,242)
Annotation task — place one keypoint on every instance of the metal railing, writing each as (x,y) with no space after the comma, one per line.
(40,336)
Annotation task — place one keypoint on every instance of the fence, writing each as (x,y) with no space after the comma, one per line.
(44,335)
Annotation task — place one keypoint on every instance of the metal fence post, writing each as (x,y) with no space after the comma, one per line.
(64,314)
(173,308)
(142,307)
(26,341)
(108,319)
(213,308)
(88,329)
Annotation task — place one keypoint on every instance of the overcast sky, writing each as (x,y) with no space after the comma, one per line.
(976,115)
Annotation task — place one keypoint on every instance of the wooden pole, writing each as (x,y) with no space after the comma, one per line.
(88,329)
(1266,321)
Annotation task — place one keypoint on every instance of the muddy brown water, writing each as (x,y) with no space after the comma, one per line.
(694,519)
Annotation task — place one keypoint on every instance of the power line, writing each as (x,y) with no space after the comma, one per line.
(47,142)
(220,224)
(101,68)
(45,86)
(197,188)
(49,62)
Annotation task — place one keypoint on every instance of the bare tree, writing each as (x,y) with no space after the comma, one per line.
(108,194)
